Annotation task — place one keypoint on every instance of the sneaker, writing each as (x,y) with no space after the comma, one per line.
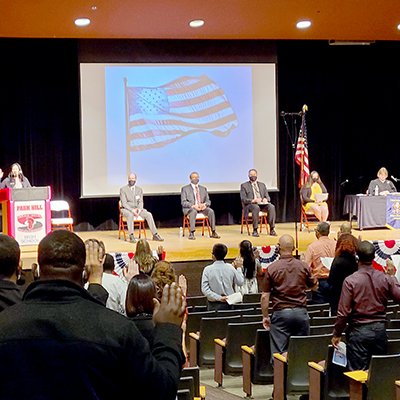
(215,235)
(191,236)
(132,238)
(273,233)
(255,234)
(158,238)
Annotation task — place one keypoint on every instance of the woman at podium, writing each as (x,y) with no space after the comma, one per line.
(15,179)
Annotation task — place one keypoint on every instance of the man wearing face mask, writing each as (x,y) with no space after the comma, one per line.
(254,196)
(131,197)
(195,199)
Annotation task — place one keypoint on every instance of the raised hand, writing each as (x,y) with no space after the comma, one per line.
(94,261)
(172,307)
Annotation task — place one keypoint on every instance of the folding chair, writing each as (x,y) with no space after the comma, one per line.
(138,222)
(200,219)
(61,215)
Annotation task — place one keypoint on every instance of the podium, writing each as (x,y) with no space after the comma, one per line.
(26,214)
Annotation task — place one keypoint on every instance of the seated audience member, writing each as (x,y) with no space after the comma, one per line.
(115,286)
(322,247)
(15,179)
(10,269)
(219,279)
(254,196)
(82,347)
(345,228)
(250,265)
(381,186)
(194,200)
(162,274)
(343,265)
(144,256)
(308,191)
(362,310)
(140,297)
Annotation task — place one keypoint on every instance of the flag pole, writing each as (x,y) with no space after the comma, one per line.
(127,140)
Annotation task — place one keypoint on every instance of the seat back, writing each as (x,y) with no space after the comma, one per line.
(244,306)
(301,350)
(193,322)
(321,329)
(382,373)
(252,298)
(187,383)
(196,301)
(393,333)
(394,324)
(237,335)
(193,372)
(314,321)
(211,328)
(251,318)
(336,384)
(393,346)
(263,372)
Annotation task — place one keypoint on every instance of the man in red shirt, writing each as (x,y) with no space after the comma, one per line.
(362,306)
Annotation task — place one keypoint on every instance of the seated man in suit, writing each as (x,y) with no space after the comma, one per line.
(194,199)
(254,197)
(131,197)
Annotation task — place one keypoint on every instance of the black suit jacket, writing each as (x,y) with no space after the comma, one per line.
(247,194)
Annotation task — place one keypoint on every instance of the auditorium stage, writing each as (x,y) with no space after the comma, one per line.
(180,249)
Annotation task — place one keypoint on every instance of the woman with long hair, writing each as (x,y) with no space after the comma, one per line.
(308,193)
(343,265)
(144,257)
(15,179)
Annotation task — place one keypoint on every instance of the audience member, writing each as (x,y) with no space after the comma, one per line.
(322,247)
(144,256)
(15,179)
(345,228)
(381,186)
(285,284)
(162,274)
(362,307)
(10,269)
(254,196)
(131,197)
(250,267)
(308,192)
(140,304)
(343,265)
(83,349)
(219,279)
(115,286)
(194,200)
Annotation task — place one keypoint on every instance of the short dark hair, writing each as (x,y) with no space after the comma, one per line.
(323,228)
(253,169)
(366,252)
(109,264)
(139,295)
(61,253)
(219,251)
(10,254)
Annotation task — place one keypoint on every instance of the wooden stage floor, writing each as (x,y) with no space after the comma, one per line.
(181,249)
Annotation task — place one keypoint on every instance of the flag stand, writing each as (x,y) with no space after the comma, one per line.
(293,136)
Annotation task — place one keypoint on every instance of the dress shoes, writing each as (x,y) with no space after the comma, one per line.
(158,238)
(255,234)
(132,238)
(215,235)
(273,232)
(191,236)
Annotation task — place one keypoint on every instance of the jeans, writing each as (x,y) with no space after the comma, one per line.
(321,295)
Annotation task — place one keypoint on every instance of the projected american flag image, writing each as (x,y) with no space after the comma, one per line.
(158,116)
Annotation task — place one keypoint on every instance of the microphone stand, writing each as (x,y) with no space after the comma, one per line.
(293,141)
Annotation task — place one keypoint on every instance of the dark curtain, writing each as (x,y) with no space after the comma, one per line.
(352,93)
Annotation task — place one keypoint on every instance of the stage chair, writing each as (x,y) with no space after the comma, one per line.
(378,382)
(290,371)
(249,220)
(228,353)
(200,219)
(138,222)
(327,381)
(257,367)
(307,218)
(61,215)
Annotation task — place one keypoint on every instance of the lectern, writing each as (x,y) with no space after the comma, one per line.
(26,213)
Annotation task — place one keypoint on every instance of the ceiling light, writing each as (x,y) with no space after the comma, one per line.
(196,23)
(303,24)
(398,27)
(82,22)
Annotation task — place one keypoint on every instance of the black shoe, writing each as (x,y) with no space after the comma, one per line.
(255,234)
(158,238)
(215,235)
(132,238)
(273,233)
(191,236)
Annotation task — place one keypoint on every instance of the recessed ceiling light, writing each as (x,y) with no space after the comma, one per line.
(303,24)
(196,23)
(82,22)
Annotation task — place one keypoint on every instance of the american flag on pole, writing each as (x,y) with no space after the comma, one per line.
(301,156)
(158,116)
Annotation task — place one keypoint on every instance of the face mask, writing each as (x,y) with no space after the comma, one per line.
(315,179)
(252,178)
(131,183)
(194,181)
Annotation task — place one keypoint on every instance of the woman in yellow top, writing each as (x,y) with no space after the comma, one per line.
(308,191)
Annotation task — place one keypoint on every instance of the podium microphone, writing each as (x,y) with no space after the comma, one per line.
(344,182)
(395,179)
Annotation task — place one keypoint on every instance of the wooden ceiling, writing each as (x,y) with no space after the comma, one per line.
(351,20)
